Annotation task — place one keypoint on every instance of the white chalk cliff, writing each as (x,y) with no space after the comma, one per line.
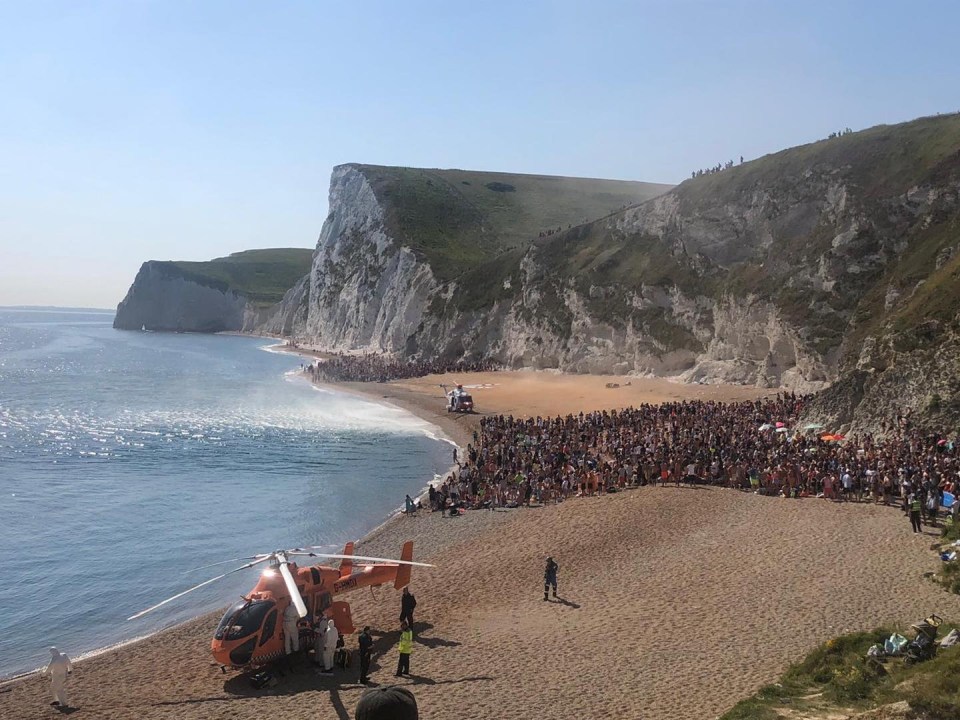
(791,271)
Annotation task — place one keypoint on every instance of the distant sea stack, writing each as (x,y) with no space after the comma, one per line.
(253,291)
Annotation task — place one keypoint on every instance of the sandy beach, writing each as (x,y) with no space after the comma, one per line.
(674,602)
(529,394)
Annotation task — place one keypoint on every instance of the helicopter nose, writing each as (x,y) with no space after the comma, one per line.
(233,654)
(220,653)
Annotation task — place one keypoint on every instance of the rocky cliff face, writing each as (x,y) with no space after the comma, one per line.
(795,270)
(367,290)
(370,292)
(287,318)
(163,300)
(262,291)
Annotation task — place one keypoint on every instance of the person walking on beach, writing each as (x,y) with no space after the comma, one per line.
(408,604)
(58,670)
(406,647)
(550,578)
(366,648)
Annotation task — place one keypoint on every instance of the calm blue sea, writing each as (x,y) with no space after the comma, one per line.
(128,458)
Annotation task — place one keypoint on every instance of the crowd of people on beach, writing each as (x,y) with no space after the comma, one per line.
(379,367)
(754,446)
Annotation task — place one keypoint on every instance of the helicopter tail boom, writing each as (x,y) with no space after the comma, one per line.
(346,565)
(403,571)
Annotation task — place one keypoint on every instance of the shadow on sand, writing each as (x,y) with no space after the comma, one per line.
(291,676)
(297,673)
(423,680)
(564,601)
(430,642)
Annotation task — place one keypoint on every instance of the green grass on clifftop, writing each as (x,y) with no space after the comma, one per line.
(262,276)
(880,161)
(456,219)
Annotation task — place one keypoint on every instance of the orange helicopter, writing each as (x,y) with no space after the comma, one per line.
(251,631)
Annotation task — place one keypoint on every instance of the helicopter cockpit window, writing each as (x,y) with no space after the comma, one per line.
(244,618)
(268,627)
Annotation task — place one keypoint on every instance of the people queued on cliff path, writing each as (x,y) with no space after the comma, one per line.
(378,367)
(752,446)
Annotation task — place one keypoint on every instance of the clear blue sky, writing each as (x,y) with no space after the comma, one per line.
(139,130)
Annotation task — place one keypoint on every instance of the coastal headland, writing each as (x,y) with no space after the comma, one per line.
(674,602)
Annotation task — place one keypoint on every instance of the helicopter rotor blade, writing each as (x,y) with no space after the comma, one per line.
(197,587)
(389,561)
(224,562)
(312,547)
(293,589)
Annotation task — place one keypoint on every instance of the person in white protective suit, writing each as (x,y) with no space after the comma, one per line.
(330,637)
(58,669)
(319,631)
(291,633)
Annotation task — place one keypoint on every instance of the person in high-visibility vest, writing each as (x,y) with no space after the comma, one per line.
(915,505)
(406,647)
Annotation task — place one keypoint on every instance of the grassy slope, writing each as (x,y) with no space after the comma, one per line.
(262,276)
(837,679)
(876,165)
(453,219)
(881,161)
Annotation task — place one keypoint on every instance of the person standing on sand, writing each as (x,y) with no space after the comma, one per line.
(291,633)
(550,578)
(405,647)
(330,637)
(408,604)
(914,503)
(58,670)
(366,648)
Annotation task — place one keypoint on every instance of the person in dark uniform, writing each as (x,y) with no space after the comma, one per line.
(366,647)
(407,604)
(550,578)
